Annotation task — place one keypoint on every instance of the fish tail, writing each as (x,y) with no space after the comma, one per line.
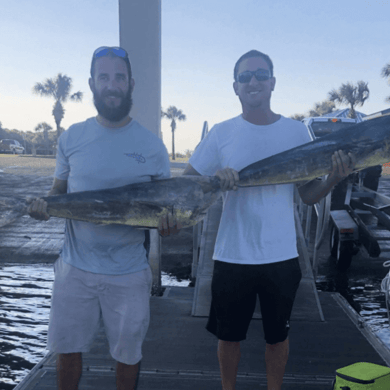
(11,209)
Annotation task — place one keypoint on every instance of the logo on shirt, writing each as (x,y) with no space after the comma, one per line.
(138,157)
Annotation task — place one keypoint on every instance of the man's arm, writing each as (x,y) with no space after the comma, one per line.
(59,187)
(228,177)
(342,166)
(38,208)
(314,190)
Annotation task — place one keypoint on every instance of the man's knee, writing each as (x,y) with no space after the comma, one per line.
(69,359)
(73,355)
(232,343)
(278,344)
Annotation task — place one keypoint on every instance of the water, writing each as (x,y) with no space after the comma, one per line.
(25,292)
(24,312)
(365,296)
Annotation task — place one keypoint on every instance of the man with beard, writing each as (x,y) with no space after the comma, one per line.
(103,271)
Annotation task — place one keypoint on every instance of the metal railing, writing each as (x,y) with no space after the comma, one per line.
(197,229)
(305,212)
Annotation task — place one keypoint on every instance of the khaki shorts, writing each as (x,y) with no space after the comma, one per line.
(81,299)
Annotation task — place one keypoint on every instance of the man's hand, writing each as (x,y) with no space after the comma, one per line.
(168,225)
(228,178)
(342,165)
(38,209)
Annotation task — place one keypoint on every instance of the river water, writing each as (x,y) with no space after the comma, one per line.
(25,292)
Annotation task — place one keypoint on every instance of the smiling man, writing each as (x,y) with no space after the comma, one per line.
(103,271)
(255,252)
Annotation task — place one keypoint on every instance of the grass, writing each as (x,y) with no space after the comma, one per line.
(8,155)
(179,159)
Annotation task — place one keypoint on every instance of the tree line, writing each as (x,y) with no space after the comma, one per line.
(59,88)
(352,95)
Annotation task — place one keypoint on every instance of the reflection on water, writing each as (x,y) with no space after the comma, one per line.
(364,295)
(24,312)
(25,292)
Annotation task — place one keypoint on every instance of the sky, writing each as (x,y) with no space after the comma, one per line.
(314,46)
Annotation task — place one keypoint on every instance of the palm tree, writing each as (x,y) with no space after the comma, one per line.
(173,114)
(58,88)
(352,95)
(386,74)
(322,108)
(43,126)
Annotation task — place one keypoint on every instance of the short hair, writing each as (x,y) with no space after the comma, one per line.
(111,55)
(250,54)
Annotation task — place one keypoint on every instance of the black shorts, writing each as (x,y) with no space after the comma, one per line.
(234,289)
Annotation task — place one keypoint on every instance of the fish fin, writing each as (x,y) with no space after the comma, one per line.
(11,209)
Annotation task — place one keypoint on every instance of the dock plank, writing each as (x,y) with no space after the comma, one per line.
(179,352)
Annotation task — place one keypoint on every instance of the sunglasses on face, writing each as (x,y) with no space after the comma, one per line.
(104,50)
(260,74)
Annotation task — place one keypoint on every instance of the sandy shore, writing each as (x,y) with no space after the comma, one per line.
(41,166)
(21,165)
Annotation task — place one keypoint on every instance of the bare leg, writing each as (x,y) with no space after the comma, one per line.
(126,376)
(69,369)
(276,356)
(229,354)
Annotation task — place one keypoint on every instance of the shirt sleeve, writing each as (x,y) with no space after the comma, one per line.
(62,162)
(205,158)
(162,164)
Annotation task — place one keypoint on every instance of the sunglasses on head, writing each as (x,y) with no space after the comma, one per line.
(260,74)
(105,50)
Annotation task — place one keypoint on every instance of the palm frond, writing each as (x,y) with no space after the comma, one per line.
(386,71)
(64,85)
(347,93)
(363,93)
(77,97)
(334,96)
(40,89)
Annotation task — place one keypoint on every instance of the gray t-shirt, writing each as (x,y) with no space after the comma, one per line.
(93,157)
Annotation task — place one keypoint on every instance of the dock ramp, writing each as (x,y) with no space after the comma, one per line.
(307,305)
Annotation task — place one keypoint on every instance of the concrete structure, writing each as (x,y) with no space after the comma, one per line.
(140,36)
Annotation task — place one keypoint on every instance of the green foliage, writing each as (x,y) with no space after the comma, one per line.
(173,114)
(352,95)
(322,108)
(297,117)
(386,74)
(59,89)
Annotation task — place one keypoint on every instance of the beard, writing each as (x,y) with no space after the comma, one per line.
(113,114)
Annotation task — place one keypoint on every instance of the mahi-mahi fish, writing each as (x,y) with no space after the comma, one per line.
(189,197)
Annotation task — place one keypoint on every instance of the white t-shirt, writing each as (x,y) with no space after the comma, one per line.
(93,157)
(257,224)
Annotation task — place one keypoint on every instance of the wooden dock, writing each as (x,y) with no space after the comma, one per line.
(178,353)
